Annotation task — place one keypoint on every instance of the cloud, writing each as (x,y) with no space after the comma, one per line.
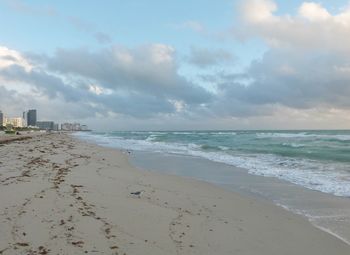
(303,77)
(143,83)
(43,82)
(290,78)
(89,28)
(80,24)
(7,96)
(20,6)
(257,11)
(313,27)
(314,12)
(102,37)
(49,11)
(150,69)
(10,57)
(203,57)
(140,82)
(306,67)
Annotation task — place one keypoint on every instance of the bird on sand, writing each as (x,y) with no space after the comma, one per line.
(137,193)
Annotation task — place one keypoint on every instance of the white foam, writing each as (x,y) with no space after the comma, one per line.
(303,135)
(294,145)
(329,178)
(280,135)
(313,220)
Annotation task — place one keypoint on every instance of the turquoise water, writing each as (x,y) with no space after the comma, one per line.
(318,160)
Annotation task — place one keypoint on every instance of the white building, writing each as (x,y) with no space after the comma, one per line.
(73,127)
(76,127)
(67,127)
(15,122)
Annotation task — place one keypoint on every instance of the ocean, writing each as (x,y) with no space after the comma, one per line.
(310,170)
(317,160)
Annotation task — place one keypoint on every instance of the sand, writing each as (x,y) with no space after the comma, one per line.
(62,196)
(10,138)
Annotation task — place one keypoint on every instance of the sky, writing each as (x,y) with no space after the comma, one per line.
(178,65)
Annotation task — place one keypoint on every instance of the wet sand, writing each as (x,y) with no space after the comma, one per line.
(62,196)
(327,212)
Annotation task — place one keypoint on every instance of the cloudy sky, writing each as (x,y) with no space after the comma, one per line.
(165,65)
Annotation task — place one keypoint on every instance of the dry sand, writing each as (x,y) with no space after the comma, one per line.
(62,196)
(10,138)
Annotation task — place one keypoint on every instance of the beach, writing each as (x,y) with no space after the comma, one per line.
(60,195)
(10,138)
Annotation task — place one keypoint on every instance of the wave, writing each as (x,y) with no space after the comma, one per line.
(152,138)
(280,135)
(214,148)
(303,135)
(293,145)
(328,177)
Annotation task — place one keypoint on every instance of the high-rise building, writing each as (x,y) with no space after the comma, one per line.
(1,119)
(25,117)
(55,127)
(31,118)
(45,125)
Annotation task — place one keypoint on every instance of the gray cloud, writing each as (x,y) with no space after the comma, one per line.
(20,6)
(307,66)
(44,83)
(8,57)
(144,83)
(80,24)
(102,37)
(6,96)
(141,82)
(149,69)
(290,78)
(203,57)
(89,28)
(299,74)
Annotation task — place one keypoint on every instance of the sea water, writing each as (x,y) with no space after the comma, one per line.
(306,172)
(317,160)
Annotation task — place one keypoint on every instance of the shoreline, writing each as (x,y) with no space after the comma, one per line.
(324,211)
(75,198)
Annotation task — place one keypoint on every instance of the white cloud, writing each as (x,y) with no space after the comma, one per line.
(10,57)
(141,81)
(256,11)
(162,54)
(303,78)
(179,105)
(314,12)
(312,27)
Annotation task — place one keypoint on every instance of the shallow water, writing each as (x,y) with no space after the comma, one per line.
(292,182)
(327,212)
(318,160)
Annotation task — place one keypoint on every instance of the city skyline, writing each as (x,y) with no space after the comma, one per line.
(29,120)
(151,65)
